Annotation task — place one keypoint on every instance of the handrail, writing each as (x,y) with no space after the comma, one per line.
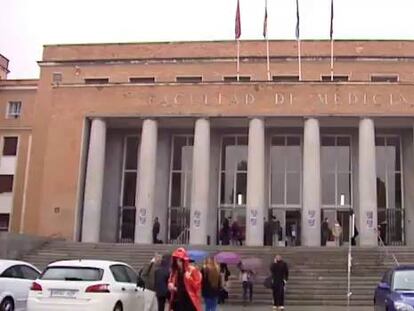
(183,237)
(387,253)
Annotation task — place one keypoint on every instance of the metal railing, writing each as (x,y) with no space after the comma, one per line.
(387,252)
(183,237)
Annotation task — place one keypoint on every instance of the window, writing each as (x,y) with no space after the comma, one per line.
(64,273)
(384,78)
(96,80)
(121,274)
(189,79)
(286,78)
(286,163)
(234,79)
(29,273)
(14,109)
(142,80)
(4,222)
(6,183)
(12,272)
(57,77)
(338,78)
(10,146)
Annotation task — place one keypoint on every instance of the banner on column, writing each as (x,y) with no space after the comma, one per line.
(142,216)
(197,219)
(253,217)
(312,218)
(370,219)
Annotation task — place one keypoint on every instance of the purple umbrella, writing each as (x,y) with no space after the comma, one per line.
(228,258)
(252,263)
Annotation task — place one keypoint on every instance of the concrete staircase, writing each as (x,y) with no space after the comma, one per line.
(318,276)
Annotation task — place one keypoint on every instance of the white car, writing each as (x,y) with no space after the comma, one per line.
(87,285)
(16,277)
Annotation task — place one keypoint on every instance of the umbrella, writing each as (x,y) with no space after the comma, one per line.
(252,263)
(197,255)
(228,258)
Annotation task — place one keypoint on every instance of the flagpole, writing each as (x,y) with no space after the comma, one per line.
(300,60)
(332,59)
(267,44)
(238,60)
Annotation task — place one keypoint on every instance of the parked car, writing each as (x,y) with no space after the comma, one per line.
(87,285)
(16,277)
(395,292)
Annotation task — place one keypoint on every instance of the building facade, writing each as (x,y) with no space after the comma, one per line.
(113,135)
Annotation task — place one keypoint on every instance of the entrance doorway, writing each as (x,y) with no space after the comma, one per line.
(232,215)
(289,226)
(127,224)
(342,216)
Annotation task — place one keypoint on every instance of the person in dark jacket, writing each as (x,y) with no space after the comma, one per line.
(155,231)
(280,275)
(224,275)
(325,232)
(162,273)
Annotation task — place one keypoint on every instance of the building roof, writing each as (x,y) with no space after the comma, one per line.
(226,49)
(4,63)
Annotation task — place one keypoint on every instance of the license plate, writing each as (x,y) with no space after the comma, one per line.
(63,293)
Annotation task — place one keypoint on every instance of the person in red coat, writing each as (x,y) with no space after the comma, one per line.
(184,283)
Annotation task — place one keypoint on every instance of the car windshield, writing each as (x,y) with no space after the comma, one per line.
(72,274)
(403,280)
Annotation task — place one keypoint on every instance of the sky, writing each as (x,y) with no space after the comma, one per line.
(27,25)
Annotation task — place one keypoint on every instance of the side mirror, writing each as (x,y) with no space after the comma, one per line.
(384,286)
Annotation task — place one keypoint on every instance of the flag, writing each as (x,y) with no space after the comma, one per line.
(265,23)
(297,21)
(332,18)
(238,22)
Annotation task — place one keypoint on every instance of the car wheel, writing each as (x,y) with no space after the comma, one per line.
(7,305)
(118,307)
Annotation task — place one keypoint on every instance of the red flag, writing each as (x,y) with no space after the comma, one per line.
(265,23)
(238,22)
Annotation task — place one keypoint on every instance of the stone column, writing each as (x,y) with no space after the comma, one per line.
(92,204)
(200,184)
(147,160)
(255,209)
(367,184)
(311,214)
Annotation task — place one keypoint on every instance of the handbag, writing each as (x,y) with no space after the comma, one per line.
(268,282)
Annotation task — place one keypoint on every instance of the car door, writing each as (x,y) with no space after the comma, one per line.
(139,299)
(124,286)
(381,292)
(28,276)
(13,282)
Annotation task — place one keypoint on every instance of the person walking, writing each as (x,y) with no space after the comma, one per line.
(326,232)
(155,231)
(247,278)
(162,273)
(236,233)
(224,275)
(148,272)
(211,284)
(184,283)
(280,274)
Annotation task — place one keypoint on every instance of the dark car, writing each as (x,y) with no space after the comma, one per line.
(395,292)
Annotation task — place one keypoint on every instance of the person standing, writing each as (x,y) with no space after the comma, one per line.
(326,232)
(184,283)
(211,284)
(155,231)
(148,272)
(225,232)
(247,278)
(280,274)
(162,273)
(236,233)
(337,233)
(225,275)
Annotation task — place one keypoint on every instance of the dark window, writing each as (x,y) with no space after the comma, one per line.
(189,79)
(72,274)
(97,81)
(10,146)
(4,222)
(6,183)
(234,79)
(286,78)
(14,109)
(57,77)
(121,274)
(335,78)
(12,272)
(29,273)
(142,80)
(390,78)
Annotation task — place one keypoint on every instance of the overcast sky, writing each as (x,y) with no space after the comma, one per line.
(26,25)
